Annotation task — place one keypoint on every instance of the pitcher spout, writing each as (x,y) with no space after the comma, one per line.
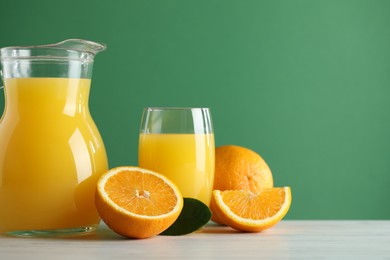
(79,45)
(72,58)
(76,49)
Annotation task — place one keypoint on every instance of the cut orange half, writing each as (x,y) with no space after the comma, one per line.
(136,202)
(251,212)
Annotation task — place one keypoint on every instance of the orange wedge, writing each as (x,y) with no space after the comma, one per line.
(251,212)
(136,202)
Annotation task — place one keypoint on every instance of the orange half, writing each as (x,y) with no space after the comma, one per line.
(136,202)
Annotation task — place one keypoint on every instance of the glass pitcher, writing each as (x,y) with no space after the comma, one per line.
(51,153)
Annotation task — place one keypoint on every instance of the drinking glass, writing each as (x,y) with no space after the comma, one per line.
(179,143)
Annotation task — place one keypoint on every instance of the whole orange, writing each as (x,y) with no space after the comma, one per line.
(239,168)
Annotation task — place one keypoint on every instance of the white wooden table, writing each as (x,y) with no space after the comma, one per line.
(290,239)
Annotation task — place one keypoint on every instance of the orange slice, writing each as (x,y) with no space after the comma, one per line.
(136,202)
(251,212)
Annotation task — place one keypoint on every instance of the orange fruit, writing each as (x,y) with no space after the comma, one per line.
(252,212)
(239,168)
(136,202)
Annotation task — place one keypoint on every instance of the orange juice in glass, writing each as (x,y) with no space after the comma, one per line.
(51,152)
(179,143)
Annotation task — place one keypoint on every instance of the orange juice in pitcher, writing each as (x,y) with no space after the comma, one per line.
(51,152)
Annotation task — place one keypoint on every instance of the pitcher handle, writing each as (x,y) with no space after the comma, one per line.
(1,79)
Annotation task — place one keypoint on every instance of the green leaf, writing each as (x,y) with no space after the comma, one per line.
(194,215)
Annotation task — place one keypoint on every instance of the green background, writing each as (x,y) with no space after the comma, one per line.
(305,83)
